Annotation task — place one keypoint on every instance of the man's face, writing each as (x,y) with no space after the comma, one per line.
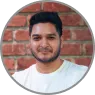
(45,42)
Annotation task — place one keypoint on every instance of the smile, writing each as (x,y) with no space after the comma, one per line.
(44,52)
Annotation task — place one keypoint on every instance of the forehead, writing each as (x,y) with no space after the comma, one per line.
(44,29)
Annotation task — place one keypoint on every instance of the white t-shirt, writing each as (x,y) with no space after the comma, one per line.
(66,76)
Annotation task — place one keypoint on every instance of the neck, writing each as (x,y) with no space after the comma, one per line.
(48,67)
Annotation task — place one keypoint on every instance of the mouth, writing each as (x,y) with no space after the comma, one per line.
(44,52)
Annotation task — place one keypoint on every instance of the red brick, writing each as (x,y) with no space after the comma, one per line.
(7,49)
(51,6)
(7,35)
(29,16)
(88,49)
(24,63)
(32,8)
(71,19)
(28,50)
(19,49)
(83,61)
(18,20)
(71,49)
(21,35)
(70,59)
(9,63)
(13,49)
(81,34)
(66,34)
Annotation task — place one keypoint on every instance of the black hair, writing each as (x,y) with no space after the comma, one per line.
(44,17)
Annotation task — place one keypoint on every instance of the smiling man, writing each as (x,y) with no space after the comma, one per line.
(50,74)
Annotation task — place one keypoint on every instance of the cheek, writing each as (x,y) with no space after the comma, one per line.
(33,46)
(55,46)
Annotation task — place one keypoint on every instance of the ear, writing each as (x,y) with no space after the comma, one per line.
(62,40)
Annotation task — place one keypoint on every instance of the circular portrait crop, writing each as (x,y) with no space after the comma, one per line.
(47,47)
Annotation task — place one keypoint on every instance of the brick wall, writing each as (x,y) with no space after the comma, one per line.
(78,44)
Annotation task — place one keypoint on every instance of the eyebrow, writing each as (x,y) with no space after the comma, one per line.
(52,35)
(34,35)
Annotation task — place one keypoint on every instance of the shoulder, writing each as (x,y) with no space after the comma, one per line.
(20,76)
(75,68)
(73,72)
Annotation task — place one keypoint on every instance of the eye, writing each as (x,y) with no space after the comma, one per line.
(51,38)
(36,38)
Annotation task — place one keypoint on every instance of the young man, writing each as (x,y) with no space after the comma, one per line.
(50,73)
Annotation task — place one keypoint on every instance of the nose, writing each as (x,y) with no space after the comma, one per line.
(44,43)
